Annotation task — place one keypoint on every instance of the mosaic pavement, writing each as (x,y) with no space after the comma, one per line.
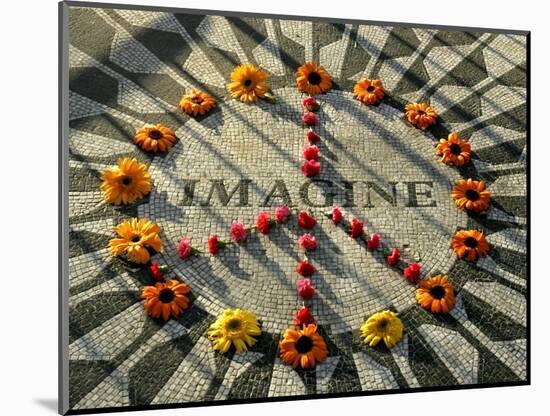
(128,68)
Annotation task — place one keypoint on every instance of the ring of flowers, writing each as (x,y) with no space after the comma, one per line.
(301,345)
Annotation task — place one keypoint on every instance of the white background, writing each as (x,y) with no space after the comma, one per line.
(28,191)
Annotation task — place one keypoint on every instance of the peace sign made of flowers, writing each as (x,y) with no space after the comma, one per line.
(302,345)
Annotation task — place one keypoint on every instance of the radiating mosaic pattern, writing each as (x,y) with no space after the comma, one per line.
(128,68)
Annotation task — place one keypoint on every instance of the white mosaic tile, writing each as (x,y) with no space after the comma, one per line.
(461,358)
(192,378)
(372,375)
(113,390)
(504,299)
(111,338)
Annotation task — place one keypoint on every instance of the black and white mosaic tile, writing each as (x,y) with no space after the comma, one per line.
(130,67)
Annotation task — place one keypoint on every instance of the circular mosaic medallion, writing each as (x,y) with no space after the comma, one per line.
(247,158)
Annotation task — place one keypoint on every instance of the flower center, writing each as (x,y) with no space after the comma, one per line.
(166,295)
(383,324)
(470,242)
(370,88)
(421,113)
(126,181)
(197,100)
(314,78)
(455,149)
(135,238)
(472,194)
(247,83)
(304,344)
(438,292)
(233,325)
(155,134)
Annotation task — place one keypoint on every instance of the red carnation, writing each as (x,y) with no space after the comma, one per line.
(374,241)
(336,215)
(306,221)
(263,222)
(312,137)
(308,242)
(412,273)
(393,258)
(304,316)
(311,168)
(305,289)
(311,152)
(213,244)
(309,119)
(356,229)
(305,268)
(310,104)
(157,271)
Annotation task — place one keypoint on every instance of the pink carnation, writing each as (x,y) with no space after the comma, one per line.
(238,232)
(184,248)
(282,213)
(308,242)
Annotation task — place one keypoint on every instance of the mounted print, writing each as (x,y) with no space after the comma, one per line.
(259,208)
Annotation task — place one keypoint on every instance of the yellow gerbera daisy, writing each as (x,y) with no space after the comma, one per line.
(384,326)
(248,83)
(125,183)
(313,79)
(234,326)
(136,236)
(197,103)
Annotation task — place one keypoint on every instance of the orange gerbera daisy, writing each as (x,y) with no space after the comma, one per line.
(248,83)
(420,114)
(470,244)
(436,294)
(136,236)
(125,183)
(197,103)
(155,138)
(304,347)
(471,195)
(369,91)
(313,79)
(166,299)
(454,150)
